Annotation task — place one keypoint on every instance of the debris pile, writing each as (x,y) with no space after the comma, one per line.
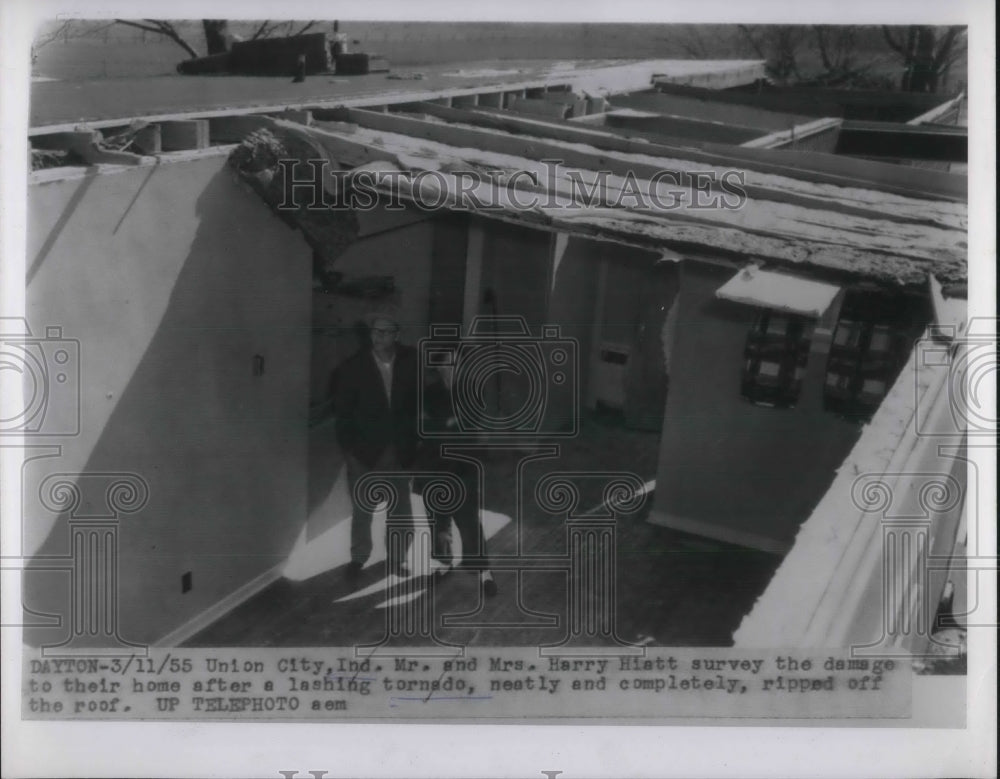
(263,160)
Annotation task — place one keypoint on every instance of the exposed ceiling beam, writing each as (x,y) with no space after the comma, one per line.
(777,233)
(644,167)
(812,167)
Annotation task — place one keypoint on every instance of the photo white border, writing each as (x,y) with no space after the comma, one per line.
(212,749)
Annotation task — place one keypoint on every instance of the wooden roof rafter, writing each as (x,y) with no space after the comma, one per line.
(866,245)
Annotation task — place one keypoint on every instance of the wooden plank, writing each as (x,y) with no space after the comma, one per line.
(540,149)
(949,109)
(815,168)
(708,110)
(184,134)
(85,144)
(682,129)
(750,72)
(850,247)
(797,133)
(300,116)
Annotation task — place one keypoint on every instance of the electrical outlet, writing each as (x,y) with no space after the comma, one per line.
(186,583)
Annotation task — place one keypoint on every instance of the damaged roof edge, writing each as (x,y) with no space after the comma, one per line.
(824,583)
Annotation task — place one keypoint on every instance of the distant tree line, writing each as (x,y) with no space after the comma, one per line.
(216,32)
(849,56)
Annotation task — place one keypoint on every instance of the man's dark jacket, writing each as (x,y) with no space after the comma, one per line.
(365,422)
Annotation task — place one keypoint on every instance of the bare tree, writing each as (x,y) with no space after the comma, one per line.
(927,53)
(778,45)
(693,42)
(166,29)
(269,29)
(845,59)
(837,49)
(215,31)
(65,30)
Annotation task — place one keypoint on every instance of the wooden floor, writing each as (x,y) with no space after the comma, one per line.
(670,589)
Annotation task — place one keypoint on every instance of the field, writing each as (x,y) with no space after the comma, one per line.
(98,50)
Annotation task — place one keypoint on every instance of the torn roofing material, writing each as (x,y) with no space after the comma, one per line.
(899,245)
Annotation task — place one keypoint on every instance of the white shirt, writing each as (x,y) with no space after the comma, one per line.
(385,371)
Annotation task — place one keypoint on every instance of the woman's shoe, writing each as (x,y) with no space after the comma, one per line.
(488,584)
(402,570)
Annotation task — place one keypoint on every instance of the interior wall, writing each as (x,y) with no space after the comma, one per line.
(572,300)
(626,271)
(404,253)
(448,268)
(728,468)
(189,302)
(516,269)
(514,281)
(616,319)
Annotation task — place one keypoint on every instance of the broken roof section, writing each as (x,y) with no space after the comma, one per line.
(648,200)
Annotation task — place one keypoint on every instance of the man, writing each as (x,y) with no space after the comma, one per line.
(375,402)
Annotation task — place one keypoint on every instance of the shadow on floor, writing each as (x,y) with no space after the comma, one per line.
(670,589)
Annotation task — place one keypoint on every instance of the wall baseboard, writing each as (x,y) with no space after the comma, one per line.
(220,608)
(717,532)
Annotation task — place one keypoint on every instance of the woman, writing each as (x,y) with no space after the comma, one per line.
(439,419)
